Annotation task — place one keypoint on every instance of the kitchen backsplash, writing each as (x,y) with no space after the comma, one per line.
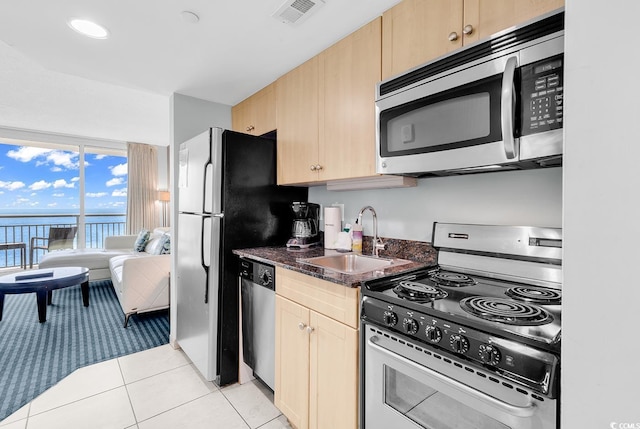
(531,197)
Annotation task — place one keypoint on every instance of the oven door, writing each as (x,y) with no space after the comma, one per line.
(401,392)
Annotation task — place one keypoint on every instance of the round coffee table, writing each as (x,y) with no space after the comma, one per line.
(43,282)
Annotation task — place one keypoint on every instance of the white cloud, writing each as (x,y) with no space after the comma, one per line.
(60,159)
(64,159)
(115,181)
(119,170)
(100,156)
(119,192)
(58,195)
(11,186)
(39,185)
(96,194)
(52,205)
(61,183)
(75,179)
(27,154)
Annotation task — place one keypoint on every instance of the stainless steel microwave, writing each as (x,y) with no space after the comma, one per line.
(495,105)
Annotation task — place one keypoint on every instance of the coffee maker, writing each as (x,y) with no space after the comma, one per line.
(304,231)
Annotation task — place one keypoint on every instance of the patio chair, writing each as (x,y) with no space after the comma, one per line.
(59,238)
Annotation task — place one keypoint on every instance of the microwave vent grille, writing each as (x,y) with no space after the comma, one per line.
(500,42)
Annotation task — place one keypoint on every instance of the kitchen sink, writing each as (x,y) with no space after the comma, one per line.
(352,263)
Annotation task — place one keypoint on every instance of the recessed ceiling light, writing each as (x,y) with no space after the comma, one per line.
(88,28)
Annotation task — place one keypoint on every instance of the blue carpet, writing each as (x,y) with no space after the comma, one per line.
(34,356)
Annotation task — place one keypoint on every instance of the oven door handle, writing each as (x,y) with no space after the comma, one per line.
(507,107)
(527,411)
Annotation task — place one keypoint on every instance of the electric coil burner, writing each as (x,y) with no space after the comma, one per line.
(452,279)
(505,311)
(535,295)
(487,317)
(418,292)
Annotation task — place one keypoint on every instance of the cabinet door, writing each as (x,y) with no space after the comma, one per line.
(490,16)
(240,116)
(333,378)
(297,123)
(263,111)
(291,394)
(257,114)
(349,71)
(416,31)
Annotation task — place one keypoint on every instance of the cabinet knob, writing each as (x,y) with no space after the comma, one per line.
(318,167)
(310,329)
(301,326)
(313,168)
(251,128)
(467,30)
(453,36)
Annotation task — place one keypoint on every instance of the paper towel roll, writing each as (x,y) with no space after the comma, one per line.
(332,226)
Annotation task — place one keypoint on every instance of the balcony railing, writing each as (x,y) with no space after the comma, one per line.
(20,229)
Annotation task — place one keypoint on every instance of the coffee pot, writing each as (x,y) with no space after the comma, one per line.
(304,230)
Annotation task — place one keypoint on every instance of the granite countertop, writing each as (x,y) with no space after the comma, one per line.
(420,254)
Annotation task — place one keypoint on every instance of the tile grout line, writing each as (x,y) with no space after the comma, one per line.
(175,407)
(126,389)
(234,408)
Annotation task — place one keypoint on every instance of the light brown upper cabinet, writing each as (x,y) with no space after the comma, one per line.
(349,72)
(257,114)
(297,120)
(325,112)
(416,31)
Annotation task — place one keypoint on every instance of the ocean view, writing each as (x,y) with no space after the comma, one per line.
(19,226)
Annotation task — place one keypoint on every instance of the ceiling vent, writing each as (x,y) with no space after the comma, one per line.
(293,12)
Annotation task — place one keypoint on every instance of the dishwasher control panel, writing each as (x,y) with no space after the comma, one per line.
(260,274)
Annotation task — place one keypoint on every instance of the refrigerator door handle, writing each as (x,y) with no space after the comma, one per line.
(203,258)
(206,187)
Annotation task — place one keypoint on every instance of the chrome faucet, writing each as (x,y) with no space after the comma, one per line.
(377,241)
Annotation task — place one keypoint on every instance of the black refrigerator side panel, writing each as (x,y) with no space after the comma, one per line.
(256,213)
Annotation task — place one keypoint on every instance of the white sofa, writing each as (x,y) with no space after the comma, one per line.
(140,279)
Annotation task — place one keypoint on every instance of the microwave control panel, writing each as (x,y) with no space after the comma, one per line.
(542,95)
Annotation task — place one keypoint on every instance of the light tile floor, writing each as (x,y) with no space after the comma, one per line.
(154,389)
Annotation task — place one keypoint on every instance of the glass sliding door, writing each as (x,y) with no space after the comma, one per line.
(105,194)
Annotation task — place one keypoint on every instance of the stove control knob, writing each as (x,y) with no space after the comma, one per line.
(389,318)
(489,354)
(459,343)
(434,334)
(410,326)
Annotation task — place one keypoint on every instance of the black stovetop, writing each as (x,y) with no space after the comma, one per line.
(538,323)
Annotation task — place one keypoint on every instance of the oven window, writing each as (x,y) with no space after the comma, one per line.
(428,407)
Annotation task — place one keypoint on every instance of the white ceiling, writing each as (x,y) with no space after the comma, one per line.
(235,49)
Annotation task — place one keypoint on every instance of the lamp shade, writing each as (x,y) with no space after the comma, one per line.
(164,196)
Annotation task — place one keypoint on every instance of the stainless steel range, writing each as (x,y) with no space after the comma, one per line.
(473,342)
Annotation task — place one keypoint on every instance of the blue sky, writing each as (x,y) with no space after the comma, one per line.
(34,178)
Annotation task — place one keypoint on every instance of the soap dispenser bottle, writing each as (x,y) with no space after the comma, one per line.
(356,238)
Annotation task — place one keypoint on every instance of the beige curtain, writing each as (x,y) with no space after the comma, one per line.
(142,161)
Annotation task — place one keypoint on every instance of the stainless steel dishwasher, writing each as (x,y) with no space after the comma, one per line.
(258,297)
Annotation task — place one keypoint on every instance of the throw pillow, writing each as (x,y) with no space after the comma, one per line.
(166,244)
(154,245)
(141,241)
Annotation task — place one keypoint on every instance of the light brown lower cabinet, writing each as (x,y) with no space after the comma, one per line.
(316,373)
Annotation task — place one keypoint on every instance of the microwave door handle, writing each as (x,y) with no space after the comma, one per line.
(507,107)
